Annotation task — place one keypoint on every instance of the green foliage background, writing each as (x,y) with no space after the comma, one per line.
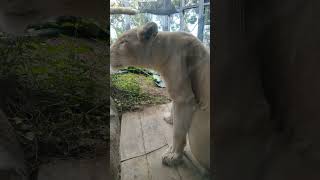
(119,22)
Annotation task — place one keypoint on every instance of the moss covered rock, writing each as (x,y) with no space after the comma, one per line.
(55,94)
(71,26)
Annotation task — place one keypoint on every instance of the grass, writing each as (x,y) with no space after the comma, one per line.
(134,91)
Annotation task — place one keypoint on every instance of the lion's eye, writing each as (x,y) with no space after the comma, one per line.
(123,42)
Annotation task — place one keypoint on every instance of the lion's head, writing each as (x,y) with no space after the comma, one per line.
(133,48)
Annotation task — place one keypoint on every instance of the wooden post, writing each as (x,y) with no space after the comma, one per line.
(181,15)
(201,20)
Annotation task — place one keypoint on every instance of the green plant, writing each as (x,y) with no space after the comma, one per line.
(131,91)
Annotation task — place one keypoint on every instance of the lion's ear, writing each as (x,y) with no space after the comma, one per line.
(148,31)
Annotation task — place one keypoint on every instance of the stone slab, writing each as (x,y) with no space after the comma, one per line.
(135,169)
(131,138)
(152,130)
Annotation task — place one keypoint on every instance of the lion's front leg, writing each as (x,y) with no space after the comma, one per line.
(182,116)
(169,119)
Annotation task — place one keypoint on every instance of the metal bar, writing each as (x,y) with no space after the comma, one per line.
(193,6)
(201,20)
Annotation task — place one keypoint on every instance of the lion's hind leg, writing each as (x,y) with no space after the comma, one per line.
(182,116)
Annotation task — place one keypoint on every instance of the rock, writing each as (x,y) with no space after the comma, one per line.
(70,26)
(15,16)
(12,164)
(114,141)
(49,32)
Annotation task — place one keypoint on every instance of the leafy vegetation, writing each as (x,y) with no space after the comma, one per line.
(132,91)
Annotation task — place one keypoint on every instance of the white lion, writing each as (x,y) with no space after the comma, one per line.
(184,63)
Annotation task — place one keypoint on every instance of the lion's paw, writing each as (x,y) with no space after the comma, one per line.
(170,158)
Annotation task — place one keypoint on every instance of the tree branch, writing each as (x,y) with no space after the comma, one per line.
(123,10)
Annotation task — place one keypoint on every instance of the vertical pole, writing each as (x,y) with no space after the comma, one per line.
(166,4)
(169,22)
(181,15)
(201,20)
(126,18)
(165,23)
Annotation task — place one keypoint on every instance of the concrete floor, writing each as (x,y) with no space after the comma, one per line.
(145,136)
